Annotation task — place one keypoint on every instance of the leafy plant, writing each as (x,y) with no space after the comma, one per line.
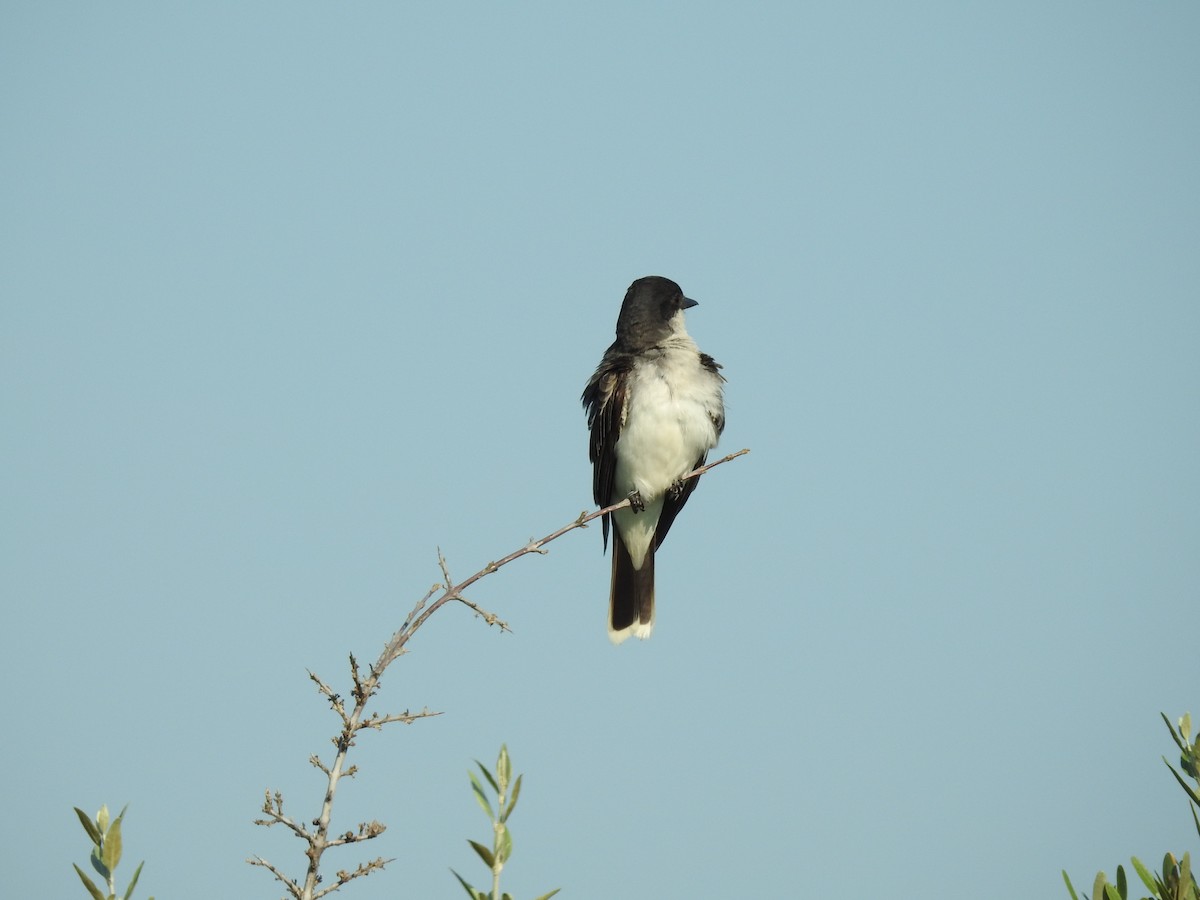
(502,845)
(106,853)
(1177,881)
(1189,761)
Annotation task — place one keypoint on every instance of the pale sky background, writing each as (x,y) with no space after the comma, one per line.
(295,293)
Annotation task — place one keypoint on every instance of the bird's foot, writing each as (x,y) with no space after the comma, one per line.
(636,503)
(675,491)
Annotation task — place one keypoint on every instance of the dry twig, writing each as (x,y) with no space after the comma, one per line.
(356,720)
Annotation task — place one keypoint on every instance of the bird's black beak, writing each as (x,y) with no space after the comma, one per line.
(688,303)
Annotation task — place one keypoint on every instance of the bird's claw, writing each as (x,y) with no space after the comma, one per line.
(636,503)
(675,491)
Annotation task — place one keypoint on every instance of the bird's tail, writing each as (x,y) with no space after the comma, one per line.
(631,596)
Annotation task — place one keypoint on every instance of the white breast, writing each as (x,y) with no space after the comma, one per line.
(669,424)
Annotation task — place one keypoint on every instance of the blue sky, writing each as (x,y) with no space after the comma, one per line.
(294,294)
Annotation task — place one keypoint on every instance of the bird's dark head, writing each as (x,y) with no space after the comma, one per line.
(652,311)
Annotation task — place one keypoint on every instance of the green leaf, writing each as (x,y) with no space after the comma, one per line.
(512,801)
(1110,893)
(87,883)
(556,890)
(505,845)
(474,894)
(488,776)
(484,853)
(1185,727)
(503,768)
(1171,886)
(98,865)
(1152,884)
(1196,819)
(1174,736)
(88,826)
(1066,878)
(1185,873)
(1190,763)
(110,854)
(133,881)
(1098,886)
(481,797)
(102,819)
(1183,784)
(1122,884)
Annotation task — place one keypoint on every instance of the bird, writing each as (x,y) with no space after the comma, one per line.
(655,408)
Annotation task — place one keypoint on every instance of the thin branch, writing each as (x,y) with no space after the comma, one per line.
(377,721)
(364,688)
(489,617)
(292,887)
(366,831)
(273,808)
(362,871)
(421,603)
(395,647)
(335,700)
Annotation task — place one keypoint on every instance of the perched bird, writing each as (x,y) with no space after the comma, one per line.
(655,408)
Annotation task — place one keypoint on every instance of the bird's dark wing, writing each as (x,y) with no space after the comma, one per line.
(672,505)
(715,367)
(606,400)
